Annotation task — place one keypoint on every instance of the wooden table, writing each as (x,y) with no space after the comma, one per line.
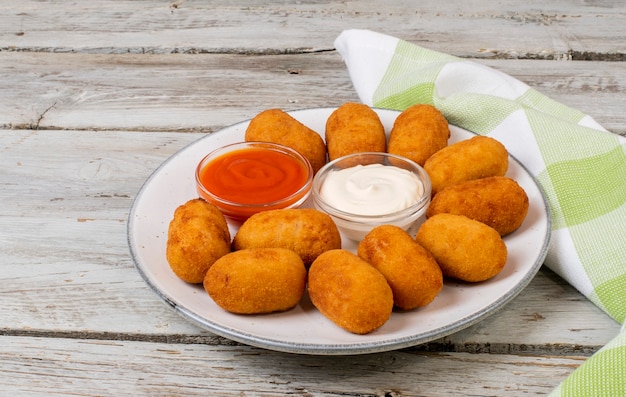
(95,95)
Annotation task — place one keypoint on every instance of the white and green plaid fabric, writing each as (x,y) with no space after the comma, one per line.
(580,166)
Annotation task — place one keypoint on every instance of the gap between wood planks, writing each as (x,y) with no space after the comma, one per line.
(569,55)
(438,346)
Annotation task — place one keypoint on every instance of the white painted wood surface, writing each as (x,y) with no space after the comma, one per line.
(552,30)
(206,92)
(95,95)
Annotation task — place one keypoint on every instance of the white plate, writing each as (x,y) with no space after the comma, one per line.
(303,329)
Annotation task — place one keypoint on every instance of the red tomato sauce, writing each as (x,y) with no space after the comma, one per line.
(254,176)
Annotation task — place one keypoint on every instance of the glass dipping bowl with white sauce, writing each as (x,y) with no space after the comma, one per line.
(363,190)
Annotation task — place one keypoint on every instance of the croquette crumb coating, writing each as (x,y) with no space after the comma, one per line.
(497,201)
(349,291)
(306,231)
(354,128)
(418,132)
(474,158)
(411,271)
(277,126)
(257,281)
(465,249)
(197,236)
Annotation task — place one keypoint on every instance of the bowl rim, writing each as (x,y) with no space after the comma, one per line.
(423,201)
(303,190)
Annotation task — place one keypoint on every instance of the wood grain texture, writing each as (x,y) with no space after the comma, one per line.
(95,95)
(207,92)
(506,29)
(114,368)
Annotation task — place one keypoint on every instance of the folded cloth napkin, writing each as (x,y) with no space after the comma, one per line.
(580,166)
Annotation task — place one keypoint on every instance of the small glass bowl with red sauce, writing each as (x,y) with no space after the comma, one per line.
(244,178)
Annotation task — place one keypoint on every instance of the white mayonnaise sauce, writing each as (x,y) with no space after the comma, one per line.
(372,189)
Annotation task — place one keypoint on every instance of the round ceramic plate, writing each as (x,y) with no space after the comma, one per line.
(304,329)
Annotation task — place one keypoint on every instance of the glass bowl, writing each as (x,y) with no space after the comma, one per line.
(244,178)
(363,190)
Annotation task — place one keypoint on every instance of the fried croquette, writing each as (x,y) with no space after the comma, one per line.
(474,158)
(306,231)
(354,128)
(274,125)
(497,201)
(465,249)
(349,291)
(197,236)
(411,271)
(257,280)
(418,132)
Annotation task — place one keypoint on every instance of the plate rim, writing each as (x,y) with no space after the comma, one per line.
(365,347)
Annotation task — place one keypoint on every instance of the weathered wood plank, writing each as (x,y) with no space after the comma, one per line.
(44,367)
(505,29)
(206,92)
(67,270)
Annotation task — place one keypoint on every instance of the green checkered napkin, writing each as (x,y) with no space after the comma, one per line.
(580,166)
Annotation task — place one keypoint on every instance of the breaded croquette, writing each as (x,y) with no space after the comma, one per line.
(354,128)
(418,132)
(349,291)
(497,201)
(257,280)
(277,126)
(474,158)
(306,231)
(197,236)
(411,271)
(465,249)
